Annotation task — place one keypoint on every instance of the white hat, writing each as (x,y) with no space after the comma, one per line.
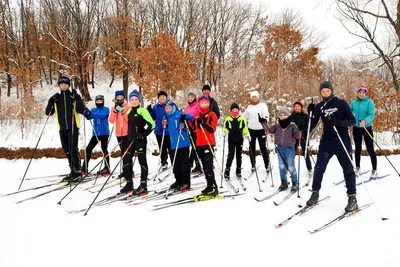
(254,93)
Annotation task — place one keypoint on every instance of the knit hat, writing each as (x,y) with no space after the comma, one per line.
(284,111)
(120,92)
(99,97)
(362,88)
(254,93)
(162,93)
(326,84)
(206,87)
(170,103)
(204,98)
(64,79)
(192,94)
(135,93)
(234,105)
(298,102)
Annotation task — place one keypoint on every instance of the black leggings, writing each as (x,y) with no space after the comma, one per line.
(358,134)
(262,138)
(92,143)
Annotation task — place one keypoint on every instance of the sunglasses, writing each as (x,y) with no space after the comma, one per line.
(362,90)
(63,80)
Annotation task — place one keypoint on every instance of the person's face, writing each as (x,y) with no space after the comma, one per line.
(190,98)
(235,110)
(206,92)
(283,116)
(120,98)
(361,94)
(297,108)
(326,92)
(162,99)
(64,86)
(168,109)
(134,101)
(254,98)
(204,104)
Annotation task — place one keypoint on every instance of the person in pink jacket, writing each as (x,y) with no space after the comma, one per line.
(118,115)
(193,109)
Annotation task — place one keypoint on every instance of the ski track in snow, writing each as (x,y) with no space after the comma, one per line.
(215,233)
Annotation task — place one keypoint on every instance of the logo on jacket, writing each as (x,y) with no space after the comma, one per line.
(329,111)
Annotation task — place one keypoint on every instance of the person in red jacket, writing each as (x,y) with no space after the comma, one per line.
(205,124)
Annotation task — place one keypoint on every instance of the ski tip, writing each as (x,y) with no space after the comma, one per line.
(279,225)
(300,206)
(313,232)
(59,203)
(276,204)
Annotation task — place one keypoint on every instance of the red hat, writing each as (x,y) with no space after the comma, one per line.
(298,102)
(362,88)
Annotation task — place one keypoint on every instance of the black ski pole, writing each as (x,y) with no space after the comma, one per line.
(253,159)
(223,156)
(298,171)
(33,153)
(101,189)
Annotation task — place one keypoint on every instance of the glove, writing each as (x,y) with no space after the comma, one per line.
(120,109)
(247,137)
(262,120)
(299,151)
(87,113)
(334,121)
(149,109)
(199,121)
(181,126)
(164,122)
(55,97)
(139,136)
(183,117)
(362,123)
(74,93)
(310,107)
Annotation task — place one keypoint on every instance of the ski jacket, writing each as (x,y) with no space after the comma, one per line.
(174,125)
(301,121)
(120,120)
(251,115)
(335,108)
(209,125)
(363,109)
(235,127)
(214,107)
(139,122)
(285,136)
(100,121)
(64,107)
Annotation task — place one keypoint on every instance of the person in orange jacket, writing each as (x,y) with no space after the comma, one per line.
(118,115)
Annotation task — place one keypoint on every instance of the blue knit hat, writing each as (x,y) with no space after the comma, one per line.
(170,103)
(135,93)
(120,92)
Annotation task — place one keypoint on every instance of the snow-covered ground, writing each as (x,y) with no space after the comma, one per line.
(228,232)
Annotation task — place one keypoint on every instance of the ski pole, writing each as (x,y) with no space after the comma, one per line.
(101,189)
(33,153)
(352,163)
(307,139)
(298,171)
(102,152)
(376,143)
(160,160)
(173,162)
(223,156)
(194,146)
(71,151)
(253,159)
(101,162)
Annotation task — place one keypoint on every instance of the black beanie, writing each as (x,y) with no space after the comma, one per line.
(162,93)
(206,87)
(64,79)
(234,105)
(326,84)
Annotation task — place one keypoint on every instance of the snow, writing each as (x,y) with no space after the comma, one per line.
(237,232)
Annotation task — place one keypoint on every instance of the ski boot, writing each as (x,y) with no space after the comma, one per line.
(351,204)
(196,169)
(295,187)
(76,176)
(239,173)
(174,186)
(164,167)
(211,190)
(313,199)
(227,173)
(141,190)
(121,175)
(357,171)
(374,174)
(105,171)
(284,185)
(253,169)
(183,187)
(127,188)
(67,178)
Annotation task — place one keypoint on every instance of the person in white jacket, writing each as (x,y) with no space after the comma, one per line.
(257,113)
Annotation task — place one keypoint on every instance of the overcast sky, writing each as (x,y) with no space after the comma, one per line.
(320,14)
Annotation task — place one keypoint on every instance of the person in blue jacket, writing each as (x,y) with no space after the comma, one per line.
(364,111)
(175,121)
(100,133)
(158,114)
(336,115)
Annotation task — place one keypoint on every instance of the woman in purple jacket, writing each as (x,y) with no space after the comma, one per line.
(286,133)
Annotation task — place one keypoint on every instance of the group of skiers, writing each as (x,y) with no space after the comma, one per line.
(188,137)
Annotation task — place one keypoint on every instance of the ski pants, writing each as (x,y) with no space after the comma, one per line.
(358,134)
(69,143)
(103,139)
(138,147)
(235,146)
(262,138)
(207,159)
(181,167)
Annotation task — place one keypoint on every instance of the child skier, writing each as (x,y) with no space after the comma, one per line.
(101,133)
(180,144)
(140,125)
(205,124)
(235,126)
(286,133)
(118,115)
(67,106)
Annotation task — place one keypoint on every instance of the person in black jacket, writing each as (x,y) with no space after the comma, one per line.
(67,106)
(213,104)
(300,118)
(336,117)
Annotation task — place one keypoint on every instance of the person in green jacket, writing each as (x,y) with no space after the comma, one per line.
(364,112)
(236,127)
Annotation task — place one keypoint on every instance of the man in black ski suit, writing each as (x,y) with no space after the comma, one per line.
(335,114)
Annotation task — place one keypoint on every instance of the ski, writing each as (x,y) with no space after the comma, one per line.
(300,212)
(342,181)
(241,183)
(45,177)
(160,172)
(196,175)
(252,173)
(372,179)
(268,172)
(268,196)
(229,182)
(31,189)
(341,217)
(291,193)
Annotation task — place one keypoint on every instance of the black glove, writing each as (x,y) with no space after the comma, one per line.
(310,107)
(262,120)
(334,121)
(139,136)
(149,109)
(55,97)
(183,117)
(199,121)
